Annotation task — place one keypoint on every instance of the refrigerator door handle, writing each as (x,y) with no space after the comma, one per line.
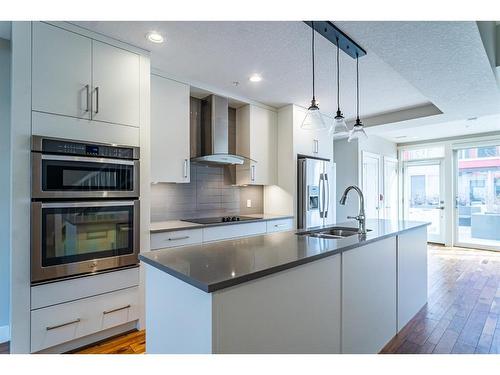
(327,189)
(321,196)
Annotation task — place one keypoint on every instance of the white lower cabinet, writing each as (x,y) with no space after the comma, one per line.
(82,287)
(54,325)
(176,238)
(279,225)
(412,274)
(233,230)
(369,297)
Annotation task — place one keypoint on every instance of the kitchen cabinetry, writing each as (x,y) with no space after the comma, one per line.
(62,71)
(57,324)
(412,274)
(369,297)
(115,86)
(76,76)
(176,238)
(182,237)
(170,151)
(256,139)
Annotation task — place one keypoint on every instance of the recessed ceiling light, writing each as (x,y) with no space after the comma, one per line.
(154,37)
(255,78)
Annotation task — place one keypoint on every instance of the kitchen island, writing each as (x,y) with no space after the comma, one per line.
(287,292)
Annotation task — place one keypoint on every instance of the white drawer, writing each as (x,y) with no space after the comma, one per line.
(176,238)
(57,324)
(83,287)
(279,225)
(233,230)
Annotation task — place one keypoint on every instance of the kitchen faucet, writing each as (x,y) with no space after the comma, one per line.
(361,215)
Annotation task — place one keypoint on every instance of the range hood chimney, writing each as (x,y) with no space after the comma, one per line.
(215,133)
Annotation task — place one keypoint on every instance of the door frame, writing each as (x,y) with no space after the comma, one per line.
(439,161)
(384,190)
(380,179)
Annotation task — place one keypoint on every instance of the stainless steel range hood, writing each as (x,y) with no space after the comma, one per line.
(215,133)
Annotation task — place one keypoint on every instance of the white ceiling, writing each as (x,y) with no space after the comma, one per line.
(416,76)
(219,53)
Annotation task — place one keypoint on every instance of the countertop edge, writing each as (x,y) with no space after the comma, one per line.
(197,226)
(269,271)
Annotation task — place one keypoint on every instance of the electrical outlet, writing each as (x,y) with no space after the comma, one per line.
(249,203)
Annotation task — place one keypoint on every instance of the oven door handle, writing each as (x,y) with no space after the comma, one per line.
(88,159)
(88,204)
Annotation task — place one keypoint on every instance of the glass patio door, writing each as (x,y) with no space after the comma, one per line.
(477,209)
(424,196)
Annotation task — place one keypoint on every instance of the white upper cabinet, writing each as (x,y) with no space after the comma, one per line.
(61,69)
(317,143)
(170,151)
(256,139)
(73,75)
(115,96)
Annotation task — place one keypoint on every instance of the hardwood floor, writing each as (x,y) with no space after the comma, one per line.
(462,313)
(129,343)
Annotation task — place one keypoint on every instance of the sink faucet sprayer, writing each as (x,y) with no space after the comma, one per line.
(361,215)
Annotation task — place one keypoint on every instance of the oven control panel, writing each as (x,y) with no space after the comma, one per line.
(58,146)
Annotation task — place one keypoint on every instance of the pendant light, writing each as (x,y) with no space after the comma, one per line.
(313,119)
(357,131)
(339,125)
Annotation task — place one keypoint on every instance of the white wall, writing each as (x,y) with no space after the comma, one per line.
(4,189)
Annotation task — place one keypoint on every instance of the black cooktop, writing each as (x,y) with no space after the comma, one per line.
(223,219)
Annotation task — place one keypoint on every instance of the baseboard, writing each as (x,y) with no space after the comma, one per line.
(4,334)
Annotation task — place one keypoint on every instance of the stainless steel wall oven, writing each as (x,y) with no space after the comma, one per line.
(84,209)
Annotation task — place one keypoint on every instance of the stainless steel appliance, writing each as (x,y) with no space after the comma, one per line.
(315,189)
(73,238)
(71,169)
(223,219)
(84,208)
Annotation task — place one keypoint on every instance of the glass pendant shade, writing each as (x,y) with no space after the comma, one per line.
(339,124)
(314,119)
(357,132)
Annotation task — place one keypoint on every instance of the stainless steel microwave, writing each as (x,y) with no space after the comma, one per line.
(73,169)
(76,238)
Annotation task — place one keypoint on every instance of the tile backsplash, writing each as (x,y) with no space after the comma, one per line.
(210,193)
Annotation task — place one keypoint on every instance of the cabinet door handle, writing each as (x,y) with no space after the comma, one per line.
(185,168)
(252,174)
(63,324)
(97,100)
(87,94)
(315,146)
(177,238)
(115,310)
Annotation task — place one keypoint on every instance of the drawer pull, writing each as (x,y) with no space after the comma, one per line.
(115,310)
(177,238)
(280,225)
(63,325)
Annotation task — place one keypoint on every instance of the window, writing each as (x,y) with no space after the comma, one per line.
(423,153)
(487,152)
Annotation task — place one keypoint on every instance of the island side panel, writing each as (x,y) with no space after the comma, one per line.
(178,315)
(412,274)
(369,297)
(293,311)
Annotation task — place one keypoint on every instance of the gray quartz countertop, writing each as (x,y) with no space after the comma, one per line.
(172,225)
(217,265)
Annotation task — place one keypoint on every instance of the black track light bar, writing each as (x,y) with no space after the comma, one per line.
(333,33)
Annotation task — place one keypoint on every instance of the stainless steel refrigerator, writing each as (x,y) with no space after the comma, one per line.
(316,193)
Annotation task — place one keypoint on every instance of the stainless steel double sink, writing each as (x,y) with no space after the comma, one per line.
(332,233)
